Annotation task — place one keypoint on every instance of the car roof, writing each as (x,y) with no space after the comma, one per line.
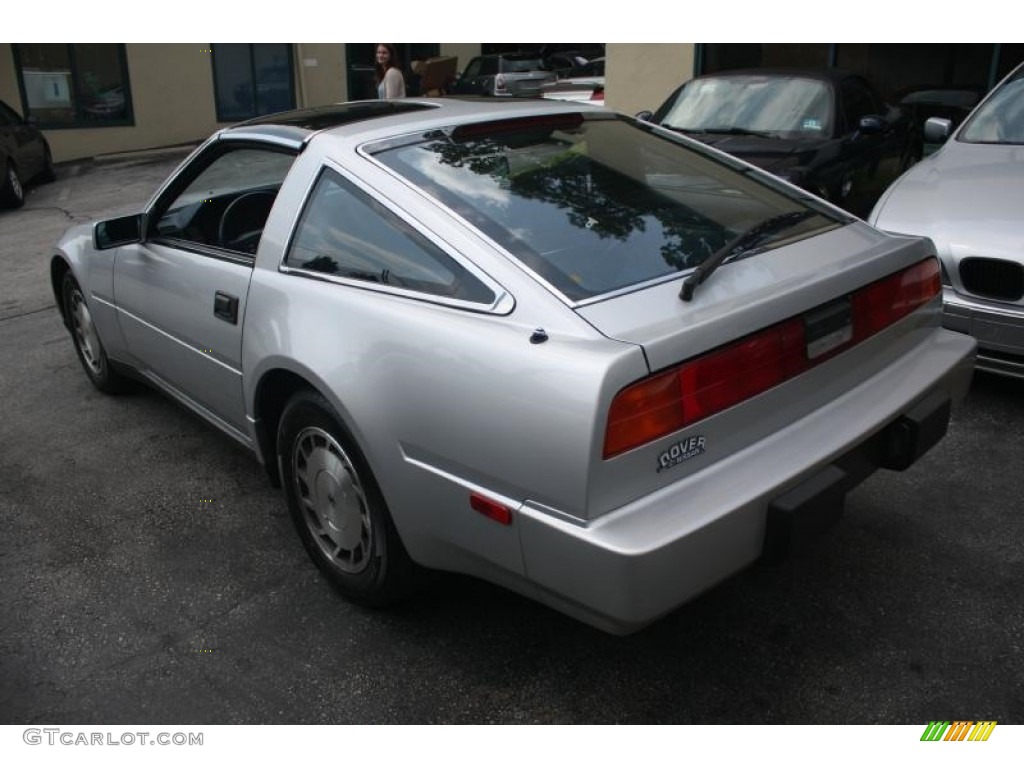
(362,121)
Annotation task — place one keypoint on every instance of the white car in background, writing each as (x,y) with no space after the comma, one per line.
(585,83)
(967,198)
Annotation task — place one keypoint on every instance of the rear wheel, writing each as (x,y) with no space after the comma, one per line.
(87,342)
(12,193)
(337,507)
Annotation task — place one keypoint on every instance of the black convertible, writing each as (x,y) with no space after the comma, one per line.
(826,131)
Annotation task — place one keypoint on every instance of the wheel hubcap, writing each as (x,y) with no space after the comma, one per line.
(332,500)
(85,333)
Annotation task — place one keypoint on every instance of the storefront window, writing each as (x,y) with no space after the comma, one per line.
(252,79)
(897,69)
(74,85)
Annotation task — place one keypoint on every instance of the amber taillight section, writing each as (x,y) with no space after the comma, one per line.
(668,401)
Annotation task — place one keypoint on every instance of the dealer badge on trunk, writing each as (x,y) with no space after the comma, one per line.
(682,451)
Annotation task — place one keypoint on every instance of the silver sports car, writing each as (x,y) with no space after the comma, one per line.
(577,355)
(967,199)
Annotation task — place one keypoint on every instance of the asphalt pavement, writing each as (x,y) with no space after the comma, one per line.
(150,574)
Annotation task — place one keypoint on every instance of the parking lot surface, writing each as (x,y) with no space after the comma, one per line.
(150,574)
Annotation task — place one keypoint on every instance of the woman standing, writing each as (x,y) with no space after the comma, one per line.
(389,79)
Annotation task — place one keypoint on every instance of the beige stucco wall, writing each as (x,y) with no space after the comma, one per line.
(9,79)
(172,100)
(320,74)
(641,75)
(463,51)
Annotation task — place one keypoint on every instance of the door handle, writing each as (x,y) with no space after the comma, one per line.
(225,307)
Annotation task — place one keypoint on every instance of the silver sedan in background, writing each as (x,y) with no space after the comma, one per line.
(574,354)
(967,199)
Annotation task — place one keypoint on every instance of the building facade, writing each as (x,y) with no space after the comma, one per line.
(102,98)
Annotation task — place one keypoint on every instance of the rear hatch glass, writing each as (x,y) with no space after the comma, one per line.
(509,64)
(599,204)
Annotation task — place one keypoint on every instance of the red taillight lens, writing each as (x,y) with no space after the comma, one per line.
(565,122)
(668,401)
(652,407)
(597,94)
(735,373)
(882,303)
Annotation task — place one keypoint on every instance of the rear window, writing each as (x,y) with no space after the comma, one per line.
(595,205)
(521,65)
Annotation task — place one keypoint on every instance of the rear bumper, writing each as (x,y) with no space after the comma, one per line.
(633,565)
(999,330)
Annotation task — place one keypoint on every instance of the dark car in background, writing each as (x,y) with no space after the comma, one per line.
(826,131)
(24,156)
(504,74)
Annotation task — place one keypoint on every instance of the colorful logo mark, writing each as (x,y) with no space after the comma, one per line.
(958,730)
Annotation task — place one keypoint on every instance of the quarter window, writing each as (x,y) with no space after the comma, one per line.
(346,233)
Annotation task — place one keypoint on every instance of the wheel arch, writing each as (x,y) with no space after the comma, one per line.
(273,391)
(274,388)
(59,267)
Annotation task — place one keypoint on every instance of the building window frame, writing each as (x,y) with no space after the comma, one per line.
(222,116)
(80,121)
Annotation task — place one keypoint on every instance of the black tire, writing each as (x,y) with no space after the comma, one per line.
(86,339)
(12,191)
(337,507)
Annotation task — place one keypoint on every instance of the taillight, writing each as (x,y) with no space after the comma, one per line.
(597,94)
(671,400)
(882,303)
(499,85)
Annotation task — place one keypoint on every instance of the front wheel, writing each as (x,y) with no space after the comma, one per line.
(87,342)
(337,507)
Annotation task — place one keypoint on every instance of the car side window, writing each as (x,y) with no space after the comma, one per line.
(473,69)
(489,66)
(227,203)
(346,233)
(857,102)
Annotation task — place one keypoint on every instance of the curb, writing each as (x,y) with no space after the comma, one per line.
(145,154)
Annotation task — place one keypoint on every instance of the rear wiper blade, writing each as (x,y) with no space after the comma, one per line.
(739,245)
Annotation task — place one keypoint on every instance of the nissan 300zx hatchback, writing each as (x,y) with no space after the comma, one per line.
(570,353)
